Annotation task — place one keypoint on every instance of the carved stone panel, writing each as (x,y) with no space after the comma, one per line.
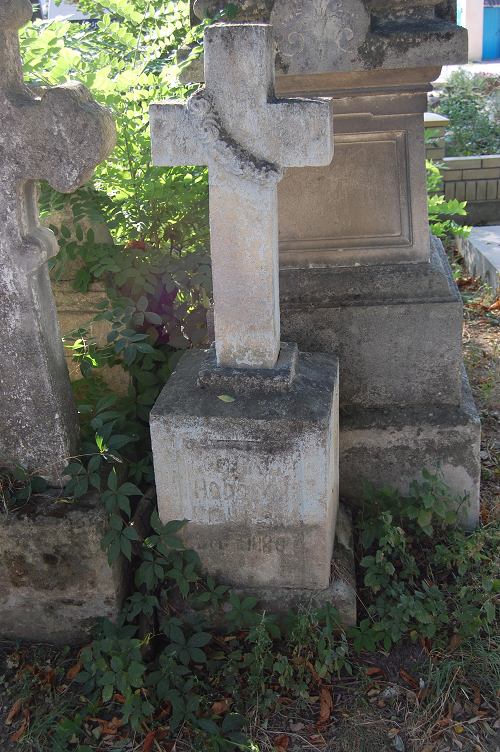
(358,203)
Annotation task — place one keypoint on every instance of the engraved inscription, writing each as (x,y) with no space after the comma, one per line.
(262,544)
(243,482)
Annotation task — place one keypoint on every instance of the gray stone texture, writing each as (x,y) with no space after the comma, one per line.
(59,137)
(54,578)
(396,329)
(247,137)
(240,380)
(257,477)
(340,593)
(373,207)
(320,36)
(390,447)
(360,279)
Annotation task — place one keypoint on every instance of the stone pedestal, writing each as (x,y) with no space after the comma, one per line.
(256,477)
(54,577)
(360,278)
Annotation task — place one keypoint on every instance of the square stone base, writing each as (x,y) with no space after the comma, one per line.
(54,578)
(390,447)
(256,477)
(340,593)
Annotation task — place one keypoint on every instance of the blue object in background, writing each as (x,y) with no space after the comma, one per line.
(491,33)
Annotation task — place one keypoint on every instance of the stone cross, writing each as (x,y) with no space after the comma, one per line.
(60,137)
(246,137)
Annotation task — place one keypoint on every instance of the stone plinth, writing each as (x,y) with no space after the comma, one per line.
(54,578)
(360,278)
(396,329)
(257,477)
(391,446)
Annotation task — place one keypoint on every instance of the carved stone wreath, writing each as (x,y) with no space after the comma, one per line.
(222,148)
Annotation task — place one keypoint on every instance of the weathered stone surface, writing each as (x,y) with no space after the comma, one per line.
(390,447)
(317,36)
(256,477)
(396,329)
(54,577)
(277,379)
(59,137)
(340,593)
(246,136)
(369,206)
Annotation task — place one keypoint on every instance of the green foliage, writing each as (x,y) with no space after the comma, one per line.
(17,485)
(157,269)
(427,576)
(114,664)
(472,103)
(441,212)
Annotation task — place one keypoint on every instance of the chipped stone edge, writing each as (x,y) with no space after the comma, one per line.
(277,379)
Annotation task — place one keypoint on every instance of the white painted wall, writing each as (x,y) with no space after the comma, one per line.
(470,14)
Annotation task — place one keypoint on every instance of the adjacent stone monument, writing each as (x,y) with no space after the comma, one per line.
(54,577)
(256,471)
(358,274)
(60,137)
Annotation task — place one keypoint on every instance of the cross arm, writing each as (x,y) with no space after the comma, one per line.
(301,132)
(174,141)
(67,135)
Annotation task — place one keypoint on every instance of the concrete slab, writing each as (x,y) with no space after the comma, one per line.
(481,251)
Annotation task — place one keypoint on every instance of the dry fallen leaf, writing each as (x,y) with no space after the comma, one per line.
(13,712)
(326,705)
(374,670)
(225,398)
(20,731)
(108,727)
(282,741)
(222,706)
(393,732)
(74,671)
(49,678)
(455,640)
(407,678)
(148,741)
(316,739)
(296,727)
(428,748)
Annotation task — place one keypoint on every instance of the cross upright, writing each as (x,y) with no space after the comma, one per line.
(60,137)
(247,137)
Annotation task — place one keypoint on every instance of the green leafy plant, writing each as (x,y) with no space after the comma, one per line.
(442,212)
(472,103)
(17,485)
(427,576)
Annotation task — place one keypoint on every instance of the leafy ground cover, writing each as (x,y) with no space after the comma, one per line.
(431,687)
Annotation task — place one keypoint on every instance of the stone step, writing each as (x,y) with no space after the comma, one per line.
(481,251)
